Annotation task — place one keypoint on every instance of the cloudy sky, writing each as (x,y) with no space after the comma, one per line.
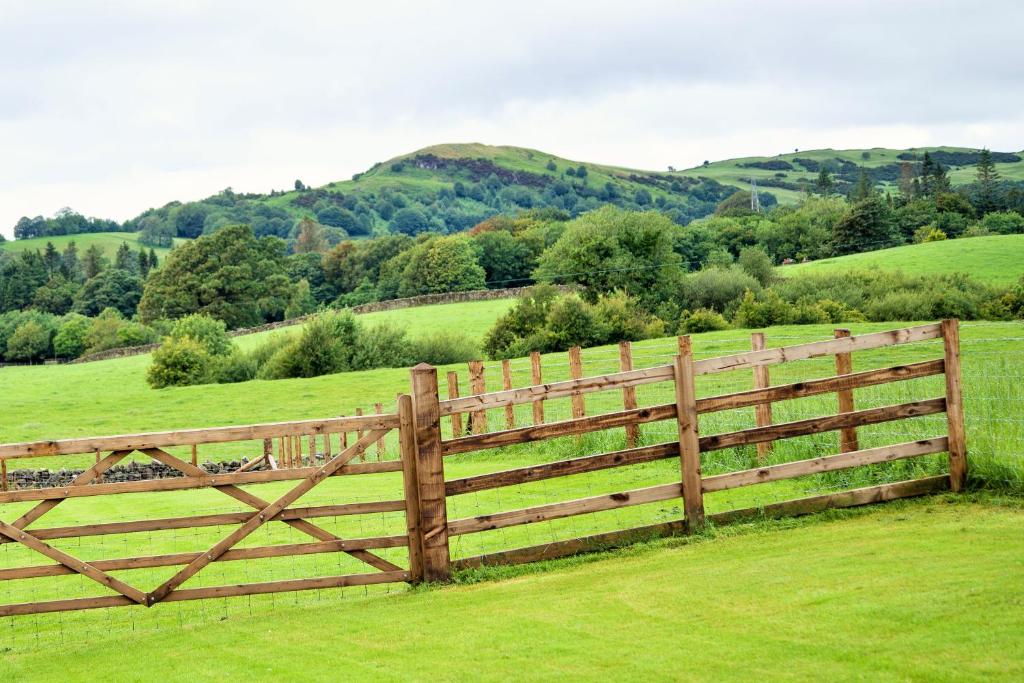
(113,107)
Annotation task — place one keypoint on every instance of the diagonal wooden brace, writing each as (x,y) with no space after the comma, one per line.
(83,568)
(265,515)
(258,503)
(81,480)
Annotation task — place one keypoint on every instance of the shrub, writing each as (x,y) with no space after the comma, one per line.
(102,333)
(179,362)
(1004,222)
(572,322)
(702,320)
(771,310)
(381,346)
(30,341)
(717,288)
(443,348)
(236,367)
(135,334)
(626,320)
(209,332)
(755,262)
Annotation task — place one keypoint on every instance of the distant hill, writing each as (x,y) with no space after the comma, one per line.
(997,260)
(107,241)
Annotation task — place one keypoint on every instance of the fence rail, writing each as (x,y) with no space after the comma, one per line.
(310,452)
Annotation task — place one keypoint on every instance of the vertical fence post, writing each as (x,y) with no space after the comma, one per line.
(762,411)
(3,474)
(689,441)
(537,378)
(378,408)
(430,474)
(628,393)
(954,406)
(453,392)
(579,407)
(844,366)
(359,435)
(478,385)
(407,450)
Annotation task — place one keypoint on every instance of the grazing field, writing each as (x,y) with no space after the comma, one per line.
(997,260)
(109,242)
(920,590)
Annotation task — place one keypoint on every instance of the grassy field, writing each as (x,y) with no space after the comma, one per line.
(109,242)
(923,590)
(997,260)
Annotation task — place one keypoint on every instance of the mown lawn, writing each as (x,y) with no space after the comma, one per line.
(922,590)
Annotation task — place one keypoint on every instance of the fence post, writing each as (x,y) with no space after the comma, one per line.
(506,384)
(407,449)
(628,393)
(579,407)
(430,474)
(378,408)
(538,405)
(762,411)
(954,406)
(453,392)
(844,366)
(478,385)
(689,441)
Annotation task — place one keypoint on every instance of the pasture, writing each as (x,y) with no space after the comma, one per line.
(109,242)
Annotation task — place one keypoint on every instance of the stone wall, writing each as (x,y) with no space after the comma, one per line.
(133,471)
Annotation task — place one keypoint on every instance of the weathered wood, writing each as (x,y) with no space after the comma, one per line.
(189,437)
(195,455)
(831,463)
(251,464)
(453,393)
(551,430)
(628,393)
(538,378)
(955,406)
(506,384)
(539,392)
(360,454)
(236,554)
(762,380)
(561,468)
(407,453)
(785,354)
(579,406)
(478,385)
(814,387)
(3,475)
(81,480)
(844,366)
(542,513)
(378,408)
(430,474)
(689,444)
(816,425)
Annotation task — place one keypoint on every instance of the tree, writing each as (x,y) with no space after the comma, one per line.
(70,339)
(299,185)
(906,181)
(211,334)
(51,259)
(56,296)
(155,231)
(868,225)
(124,259)
(143,260)
(93,262)
(311,237)
(113,288)
(153,260)
(338,217)
(190,220)
(30,341)
(824,183)
(409,221)
(507,261)
(756,263)
(441,264)
(71,268)
(229,275)
(988,184)
(20,277)
(864,188)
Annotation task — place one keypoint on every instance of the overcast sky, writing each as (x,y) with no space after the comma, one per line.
(114,107)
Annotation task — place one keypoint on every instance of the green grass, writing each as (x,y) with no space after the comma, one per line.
(928,590)
(109,242)
(997,260)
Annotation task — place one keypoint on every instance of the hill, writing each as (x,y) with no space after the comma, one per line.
(107,241)
(998,260)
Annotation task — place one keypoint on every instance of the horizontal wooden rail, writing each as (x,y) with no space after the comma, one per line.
(785,354)
(542,513)
(187,482)
(210,592)
(195,437)
(552,430)
(498,399)
(816,425)
(815,387)
(261,552)
(222,519)
(561,468)
(831,463)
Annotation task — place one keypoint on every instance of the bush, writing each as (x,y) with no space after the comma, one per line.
(30,341)
(381,346)
(702,320)
(1004,222)
(443,348)
(209,332)
(70,339)
(572,322)
(135,334)
(756,263)
(236,367)
(102,333)
(179,362)
(718,289)
(626,320)
(771,310)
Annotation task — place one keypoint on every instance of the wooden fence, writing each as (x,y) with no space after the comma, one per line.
(427,490)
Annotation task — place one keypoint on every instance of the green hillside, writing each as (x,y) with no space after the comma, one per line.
(107,241)
(788,175)
(998,260)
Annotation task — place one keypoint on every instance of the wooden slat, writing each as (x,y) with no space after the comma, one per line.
(831,463)
(954,406)
(84,478)
(453,393)
(407,452)
(556,429)
(785,354)
(506,384)
(762,380)
(539,391)
(814,387)
(221,519)
(237,554)
(188,437)
(817,425)
(542,513)
(430,474)
(579,406)
(561,468)
(537,377)
(689,442)
(628,393)
(844,366)
(378,408)
(478,385)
